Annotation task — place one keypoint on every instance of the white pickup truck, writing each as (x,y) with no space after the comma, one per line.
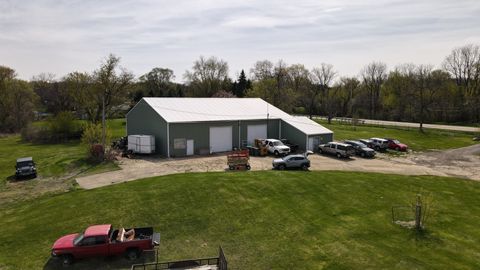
(276,147)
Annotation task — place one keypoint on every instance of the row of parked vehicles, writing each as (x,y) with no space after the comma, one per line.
(363,147)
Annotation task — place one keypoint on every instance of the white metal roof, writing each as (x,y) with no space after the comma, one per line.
(307,126)
(182,110)
(175,110)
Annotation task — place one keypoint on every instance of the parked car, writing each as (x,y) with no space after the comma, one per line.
(293,147)
(361,149)
(292,161)
(102,241)
(379,144)
(276,147)
(367,142)
(25,167)
(338,149)
(396,145)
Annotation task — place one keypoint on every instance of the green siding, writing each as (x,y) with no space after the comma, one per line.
(294,135)
(142,119)
(272,128)
(322,138)
(200,133)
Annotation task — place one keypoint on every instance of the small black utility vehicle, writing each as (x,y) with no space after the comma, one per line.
(25,167)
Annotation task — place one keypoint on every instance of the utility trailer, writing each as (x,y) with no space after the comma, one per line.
(238,160)
(141,144)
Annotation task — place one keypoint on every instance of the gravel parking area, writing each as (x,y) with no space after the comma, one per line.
(462,162)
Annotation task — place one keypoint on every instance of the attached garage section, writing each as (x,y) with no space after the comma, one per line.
(256,132)
(221,139)
(305,132)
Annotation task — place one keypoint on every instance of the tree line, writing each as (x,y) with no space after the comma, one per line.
(407,92)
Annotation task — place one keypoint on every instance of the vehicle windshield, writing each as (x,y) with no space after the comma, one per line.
(78,239)
(24,164)
(362,145)
(277,143)
(396,141)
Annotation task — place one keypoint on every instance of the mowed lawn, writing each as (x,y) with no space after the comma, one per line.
(53,159)
(263,220)
(416,140)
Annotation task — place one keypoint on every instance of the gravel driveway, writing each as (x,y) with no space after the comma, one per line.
(462,162)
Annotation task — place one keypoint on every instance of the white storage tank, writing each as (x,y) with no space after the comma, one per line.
(141,144)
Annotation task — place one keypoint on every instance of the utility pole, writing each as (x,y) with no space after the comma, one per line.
(268,116)
(103,123)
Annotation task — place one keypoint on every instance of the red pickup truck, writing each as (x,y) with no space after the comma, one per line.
(103,240)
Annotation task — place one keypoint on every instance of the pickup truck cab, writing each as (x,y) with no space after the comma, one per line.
(102,241)
(276,147)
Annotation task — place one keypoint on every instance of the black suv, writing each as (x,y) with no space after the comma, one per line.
(25,167)
(361,149)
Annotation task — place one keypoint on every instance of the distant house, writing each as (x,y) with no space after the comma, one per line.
(188,126)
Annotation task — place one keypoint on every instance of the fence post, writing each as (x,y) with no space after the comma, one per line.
(418,213)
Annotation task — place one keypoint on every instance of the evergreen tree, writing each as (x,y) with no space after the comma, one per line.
(240,87)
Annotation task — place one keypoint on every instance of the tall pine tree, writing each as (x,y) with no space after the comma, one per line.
(240,87)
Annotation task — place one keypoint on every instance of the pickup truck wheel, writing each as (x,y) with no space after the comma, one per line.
(67,259)
(339,155)
(132,254)
(276,153)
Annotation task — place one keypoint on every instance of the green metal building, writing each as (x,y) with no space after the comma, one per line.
(191,126)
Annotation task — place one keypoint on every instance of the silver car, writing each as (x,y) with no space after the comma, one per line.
(338,149)
(292,161)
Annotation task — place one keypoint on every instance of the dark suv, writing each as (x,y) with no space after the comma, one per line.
(361,149)
(25,167)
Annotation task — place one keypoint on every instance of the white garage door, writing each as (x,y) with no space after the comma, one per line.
(220,139)
(256,132)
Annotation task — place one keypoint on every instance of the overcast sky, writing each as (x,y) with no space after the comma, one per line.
(63,36)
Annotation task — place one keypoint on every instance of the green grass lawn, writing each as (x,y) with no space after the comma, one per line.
(53,160)
(430,139)
(263,220)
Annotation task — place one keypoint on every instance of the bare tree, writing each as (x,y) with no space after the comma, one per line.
(424,92)
(373,76)
(463,64)
(107,87)
(262,70)
(322,78)
(207,77)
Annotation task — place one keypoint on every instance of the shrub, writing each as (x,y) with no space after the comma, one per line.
(92,139)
